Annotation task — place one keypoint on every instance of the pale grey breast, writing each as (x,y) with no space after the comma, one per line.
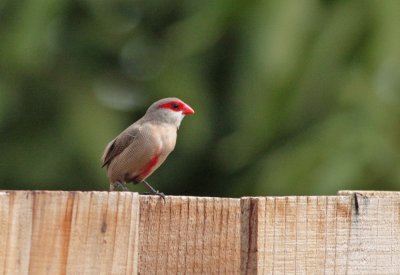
(150,140)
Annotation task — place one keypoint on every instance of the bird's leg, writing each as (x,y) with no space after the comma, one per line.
(119,185)
(154,191)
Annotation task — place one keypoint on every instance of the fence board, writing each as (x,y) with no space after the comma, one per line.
(322,235)
(296,235)
(374,245)
(52,232)
(189,235)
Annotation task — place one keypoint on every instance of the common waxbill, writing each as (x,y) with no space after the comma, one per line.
(142,147)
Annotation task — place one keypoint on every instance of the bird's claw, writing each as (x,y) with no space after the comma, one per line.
(157,193)
(153,191)
(120,186)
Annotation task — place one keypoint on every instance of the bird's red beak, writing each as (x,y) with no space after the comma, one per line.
(187,110)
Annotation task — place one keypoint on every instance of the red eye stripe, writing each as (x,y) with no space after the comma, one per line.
(173,105)
(178,106)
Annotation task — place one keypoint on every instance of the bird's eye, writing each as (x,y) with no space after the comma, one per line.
(175,106)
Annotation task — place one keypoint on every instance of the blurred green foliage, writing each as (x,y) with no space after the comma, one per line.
(291,97)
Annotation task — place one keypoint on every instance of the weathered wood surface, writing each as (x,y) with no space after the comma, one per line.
(189,235)
(52,232)
(322,235)
(370,193)
(374,241)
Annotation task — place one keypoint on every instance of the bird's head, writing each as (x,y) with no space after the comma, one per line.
(169,110)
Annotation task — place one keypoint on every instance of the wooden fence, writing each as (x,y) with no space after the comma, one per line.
(55,232)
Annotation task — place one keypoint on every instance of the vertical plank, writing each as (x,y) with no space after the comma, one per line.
(19,221)
(374,234)
(326,236)
(54,232)
(104,229)
(189,235)
(294,235)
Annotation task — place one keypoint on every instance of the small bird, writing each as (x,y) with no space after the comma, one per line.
(142,147)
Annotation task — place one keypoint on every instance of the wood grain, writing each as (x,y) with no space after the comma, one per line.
(52,232)
(189,235)
(322,235)
(296,235)
(369,193)
(374,241)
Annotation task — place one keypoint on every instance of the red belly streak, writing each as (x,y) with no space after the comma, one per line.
(149,166)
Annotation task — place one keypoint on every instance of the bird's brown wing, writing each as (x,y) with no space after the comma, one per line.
(118,145)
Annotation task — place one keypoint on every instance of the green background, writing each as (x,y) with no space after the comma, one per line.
(291,97)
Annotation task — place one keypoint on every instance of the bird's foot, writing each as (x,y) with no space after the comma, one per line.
(118,185)
(157,193)
(153,191)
